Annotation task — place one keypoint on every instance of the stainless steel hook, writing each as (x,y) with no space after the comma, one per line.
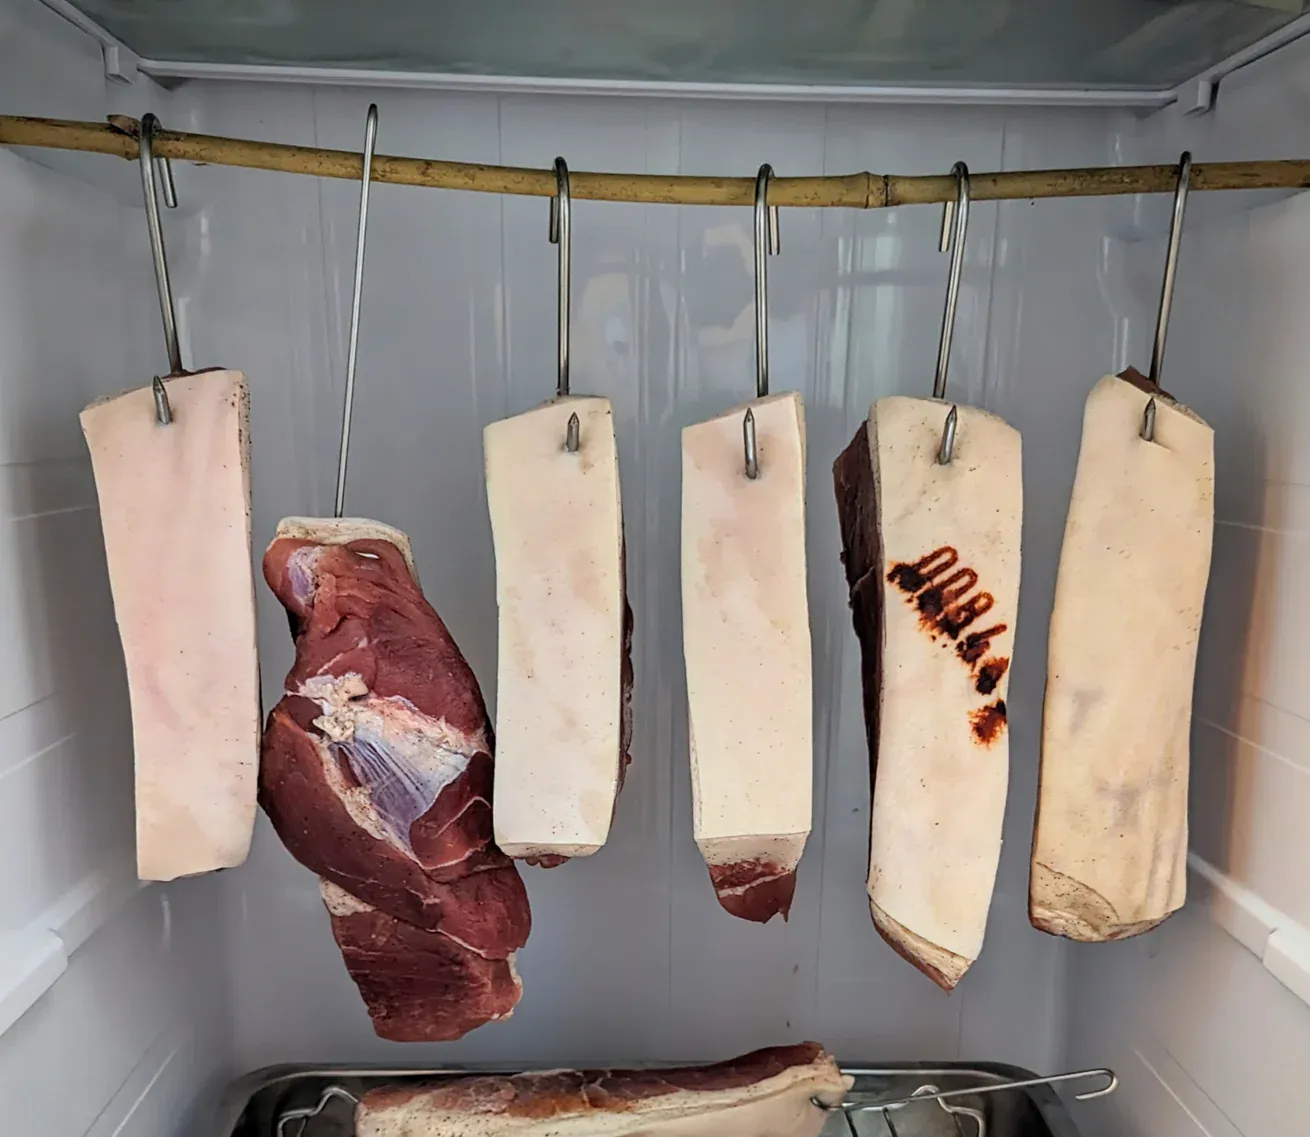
(561,210)
(304,1114)
(974,1115)
(1171,265)
(352,350)
(1147,433)
(922,1094)
(955,227)
(766,242)
(561,219)
(148,163)
(946,451)
(163,409)
(748,441)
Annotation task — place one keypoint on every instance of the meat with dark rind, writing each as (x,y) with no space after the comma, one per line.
(377,774)
(932,558)
(767,1093)
(857,514)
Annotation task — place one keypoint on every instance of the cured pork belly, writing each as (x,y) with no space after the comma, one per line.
(564,693)
(175,510)
(932,560)
(1110,849)
(746,642)
(764,1094)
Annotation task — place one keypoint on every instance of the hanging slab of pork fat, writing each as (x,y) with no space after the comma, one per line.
(376,773)
(1110,850)
(932,561)
(768,1093)
(563,697)
(746,642)
(175,510)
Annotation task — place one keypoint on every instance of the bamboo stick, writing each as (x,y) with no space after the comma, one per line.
(851,191)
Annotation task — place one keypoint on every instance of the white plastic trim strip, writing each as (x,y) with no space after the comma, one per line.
(1273,937)
(784,92)
(34,957)
(1197,95)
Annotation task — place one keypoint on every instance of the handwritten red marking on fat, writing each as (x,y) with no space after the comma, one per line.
(977,644)
(944,605)
(947,605)
(990,674)
(988,722)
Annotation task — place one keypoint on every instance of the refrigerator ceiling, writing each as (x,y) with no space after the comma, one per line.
(1090,44)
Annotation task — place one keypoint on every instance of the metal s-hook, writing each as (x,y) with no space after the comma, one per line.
(955,227)
(925,1092)
(1147,433)
(946,451)
(1171,265)
(1167,289)
(352,350)
(148,162)
(748,442)
(561,226)
(766,241)
(304,1114)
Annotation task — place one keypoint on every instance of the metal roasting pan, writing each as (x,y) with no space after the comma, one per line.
(252,1105)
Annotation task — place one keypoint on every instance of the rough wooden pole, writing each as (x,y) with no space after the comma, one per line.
(850,191)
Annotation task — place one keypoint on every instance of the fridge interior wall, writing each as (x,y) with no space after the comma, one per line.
(631,958)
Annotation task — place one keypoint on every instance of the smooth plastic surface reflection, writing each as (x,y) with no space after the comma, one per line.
(1008,43)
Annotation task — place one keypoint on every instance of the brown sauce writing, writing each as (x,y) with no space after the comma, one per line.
(988,722)
(949,601)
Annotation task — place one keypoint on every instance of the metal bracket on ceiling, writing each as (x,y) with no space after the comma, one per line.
(1201,96)
(120,60)
(1198,95)
(120,63)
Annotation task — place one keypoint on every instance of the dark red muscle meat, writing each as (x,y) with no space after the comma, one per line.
(376,772)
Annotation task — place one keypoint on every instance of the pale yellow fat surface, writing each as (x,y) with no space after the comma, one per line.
(1110,849)
(939,794)
(175,510)
(344,530)
(775,1107)
(746,630)
(557,523)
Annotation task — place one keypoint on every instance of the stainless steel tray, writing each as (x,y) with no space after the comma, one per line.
(252,1105)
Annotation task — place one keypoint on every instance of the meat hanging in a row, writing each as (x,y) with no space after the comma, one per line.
(377,763)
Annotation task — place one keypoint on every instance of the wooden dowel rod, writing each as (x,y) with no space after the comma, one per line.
(851,191)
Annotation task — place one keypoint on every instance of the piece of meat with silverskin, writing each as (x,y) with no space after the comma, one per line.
(377,774)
